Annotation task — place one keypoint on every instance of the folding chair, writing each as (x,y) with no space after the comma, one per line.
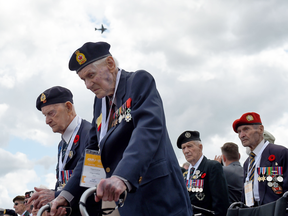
(276,208)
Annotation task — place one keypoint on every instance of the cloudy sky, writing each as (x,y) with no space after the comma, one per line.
(212,62)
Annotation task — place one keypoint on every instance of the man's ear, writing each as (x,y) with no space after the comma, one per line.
(110,63)
(69,106)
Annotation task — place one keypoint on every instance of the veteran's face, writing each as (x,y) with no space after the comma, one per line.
(57,117)
(192,151)
(19,206)
(101,78)
(250,135)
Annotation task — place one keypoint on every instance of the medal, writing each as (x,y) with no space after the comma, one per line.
(277,190)
(128,117)
(197,172)
(270,184)
(275,184)
(280,179)
(269,178)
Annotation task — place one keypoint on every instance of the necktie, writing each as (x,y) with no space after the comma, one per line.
(191,172)
(64,148)
(112,105)
(251,166)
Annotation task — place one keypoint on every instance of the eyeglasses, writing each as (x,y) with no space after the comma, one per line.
(17,203)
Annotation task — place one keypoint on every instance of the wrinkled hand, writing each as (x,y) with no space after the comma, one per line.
(110,189)
(58,201)
(41,197)
(218,158)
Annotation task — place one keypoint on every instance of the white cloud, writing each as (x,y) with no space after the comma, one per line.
(212,61)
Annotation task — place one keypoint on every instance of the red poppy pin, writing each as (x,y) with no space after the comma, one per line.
(271,158)
(203,175)
(76,139)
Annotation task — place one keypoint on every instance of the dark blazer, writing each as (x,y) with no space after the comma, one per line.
(281,158)
(234,176)
(77,149)
(140,151)
(215,188)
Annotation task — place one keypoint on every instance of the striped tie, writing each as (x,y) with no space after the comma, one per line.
(251,166)
(191,172)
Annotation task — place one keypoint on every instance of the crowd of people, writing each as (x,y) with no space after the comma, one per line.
(128,146)
(216,184)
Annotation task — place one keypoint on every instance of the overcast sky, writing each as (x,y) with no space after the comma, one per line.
(212,62)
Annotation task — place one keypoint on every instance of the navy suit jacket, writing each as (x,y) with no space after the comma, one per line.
(281,158)
(140,151)
(77,149)
(215,188)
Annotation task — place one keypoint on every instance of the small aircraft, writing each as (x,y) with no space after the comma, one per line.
(102,29)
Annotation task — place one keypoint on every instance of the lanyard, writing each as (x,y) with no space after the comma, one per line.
(256,161)
(105,122)
(62,164)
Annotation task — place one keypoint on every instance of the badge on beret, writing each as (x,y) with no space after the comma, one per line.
(43,98)
(249,118)
(187,135)
(80,57)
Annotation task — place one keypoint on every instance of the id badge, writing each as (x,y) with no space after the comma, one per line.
(248,189)
(93,170)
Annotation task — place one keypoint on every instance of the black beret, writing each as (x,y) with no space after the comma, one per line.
(88,53)
(187,136)
(10,212)
(54,95)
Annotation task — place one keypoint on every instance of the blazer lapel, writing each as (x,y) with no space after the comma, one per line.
(264,163)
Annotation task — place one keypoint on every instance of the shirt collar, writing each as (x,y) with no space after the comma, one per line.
(197,163)
(70,129)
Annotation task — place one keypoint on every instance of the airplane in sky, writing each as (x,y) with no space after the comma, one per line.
(102,29)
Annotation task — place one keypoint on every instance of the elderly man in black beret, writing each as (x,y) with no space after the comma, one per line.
(56,104)
(130,132)
(205,180)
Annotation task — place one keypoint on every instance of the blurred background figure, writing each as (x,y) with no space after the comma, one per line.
(186,165)
(7,212)
(233,170)
(19,205)
(29,207)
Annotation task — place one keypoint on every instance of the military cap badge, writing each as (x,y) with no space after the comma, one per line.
(187,135)
(249,118)
(43,98)
(80,57)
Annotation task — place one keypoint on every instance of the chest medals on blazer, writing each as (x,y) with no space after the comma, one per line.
(273,176)
(195,183)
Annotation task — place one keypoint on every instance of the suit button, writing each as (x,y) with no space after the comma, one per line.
(140,179)
(107,169)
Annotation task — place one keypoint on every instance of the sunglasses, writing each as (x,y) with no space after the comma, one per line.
(17,203)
